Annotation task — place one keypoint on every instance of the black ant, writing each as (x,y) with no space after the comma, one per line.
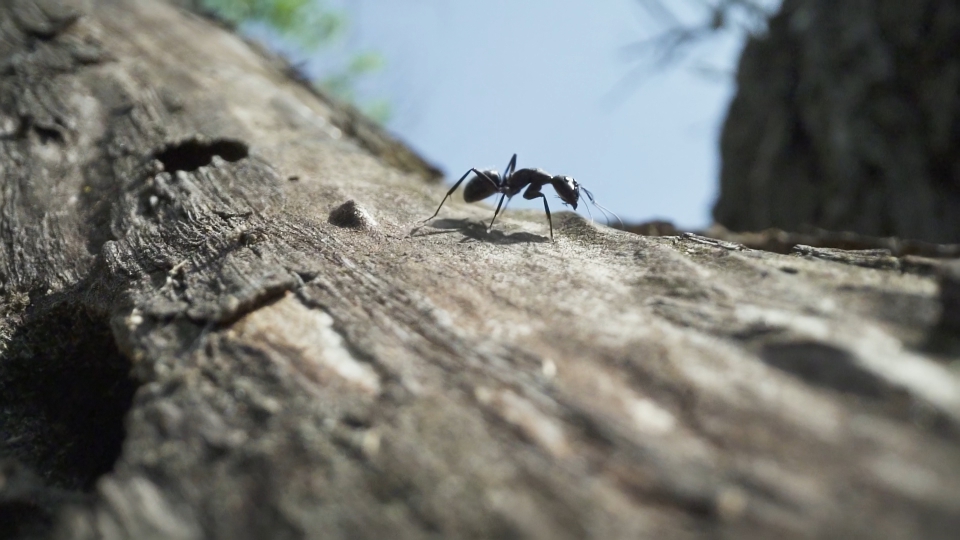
(488,182)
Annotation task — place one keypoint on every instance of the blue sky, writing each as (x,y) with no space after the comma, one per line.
(471,82)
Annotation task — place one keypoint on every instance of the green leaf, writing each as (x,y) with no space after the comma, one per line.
(368,62)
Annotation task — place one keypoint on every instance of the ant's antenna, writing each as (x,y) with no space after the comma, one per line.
(602,208)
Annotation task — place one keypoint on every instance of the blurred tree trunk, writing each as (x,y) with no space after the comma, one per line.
(307,362)
(847,117)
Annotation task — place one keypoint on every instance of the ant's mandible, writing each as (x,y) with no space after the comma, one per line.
(488,182)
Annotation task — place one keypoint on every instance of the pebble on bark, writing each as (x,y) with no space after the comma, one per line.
(352,216)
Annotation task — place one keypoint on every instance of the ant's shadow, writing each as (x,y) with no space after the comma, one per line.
(477,231)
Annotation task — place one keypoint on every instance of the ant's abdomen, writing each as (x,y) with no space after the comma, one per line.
(477,189)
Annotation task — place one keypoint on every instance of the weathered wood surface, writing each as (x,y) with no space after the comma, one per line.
(305,369)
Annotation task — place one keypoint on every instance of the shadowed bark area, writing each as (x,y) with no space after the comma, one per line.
(309,362)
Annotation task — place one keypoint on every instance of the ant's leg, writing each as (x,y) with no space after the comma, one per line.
(547,210)
(510,167)
(449,193)
(454,188)
(483,175)
(498,210)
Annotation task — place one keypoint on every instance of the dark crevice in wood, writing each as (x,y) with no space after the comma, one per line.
(27,124)
(824,365)
(48,135)
(65,391)
(191,154)
(268,294)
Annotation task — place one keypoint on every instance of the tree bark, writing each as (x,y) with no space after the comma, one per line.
(847,118)
(307,361)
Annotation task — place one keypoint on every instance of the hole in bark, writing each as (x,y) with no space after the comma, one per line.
(354,422)
(192,154)
(47,135)
(64,392)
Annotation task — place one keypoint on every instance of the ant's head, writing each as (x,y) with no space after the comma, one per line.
(567,189)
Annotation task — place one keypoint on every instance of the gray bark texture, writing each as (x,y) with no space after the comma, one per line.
(847,118)
(221,319)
